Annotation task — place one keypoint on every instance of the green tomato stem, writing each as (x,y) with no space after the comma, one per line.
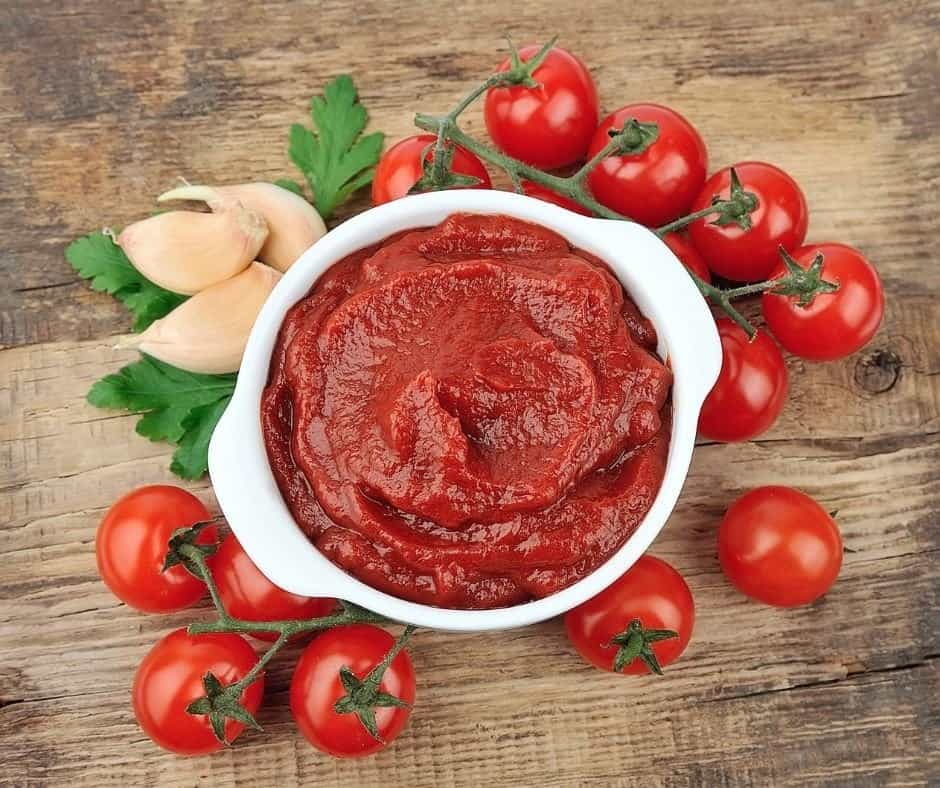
(375,675)
(683,221)
(746,290)
(251,676)
(285,629)
(517,170)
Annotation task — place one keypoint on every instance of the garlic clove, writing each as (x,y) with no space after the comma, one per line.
(186,252)
(208,332)
(294,223)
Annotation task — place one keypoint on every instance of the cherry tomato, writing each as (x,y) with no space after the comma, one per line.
(170,678)
(131,547)
(547,195)
(549,126)
(687,255)
(400,168)
(780,219)
(652,592)
(316,687)
(779,546)
(655,186)
(247,594)
(834,324)
(751,389)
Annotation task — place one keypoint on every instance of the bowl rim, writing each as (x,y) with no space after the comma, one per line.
(238,462)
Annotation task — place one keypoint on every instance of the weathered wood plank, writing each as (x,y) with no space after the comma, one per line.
(867,729)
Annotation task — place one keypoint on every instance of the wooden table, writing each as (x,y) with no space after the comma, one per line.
(104,104)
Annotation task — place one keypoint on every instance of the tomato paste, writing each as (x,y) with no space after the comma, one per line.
(467,416)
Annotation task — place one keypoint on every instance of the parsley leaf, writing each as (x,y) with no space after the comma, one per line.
(96,257)
(336,160)
(291,186)
(191,458)
(149,303)
(177,406)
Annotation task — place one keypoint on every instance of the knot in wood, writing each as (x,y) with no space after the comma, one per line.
(878,371)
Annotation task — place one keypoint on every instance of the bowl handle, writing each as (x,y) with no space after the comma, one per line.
(663,280)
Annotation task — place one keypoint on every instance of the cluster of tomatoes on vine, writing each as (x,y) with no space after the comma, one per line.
(131,549)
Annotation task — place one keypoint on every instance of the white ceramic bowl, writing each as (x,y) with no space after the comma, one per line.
(238,464)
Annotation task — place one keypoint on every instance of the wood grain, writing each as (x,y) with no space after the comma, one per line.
(103,106)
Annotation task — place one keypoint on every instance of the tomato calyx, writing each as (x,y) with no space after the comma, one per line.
(363,696)
(520,72)
(222,702)
(635,643)
(805,283)
(632,138)
(737,208)
(438,173)
(176,554)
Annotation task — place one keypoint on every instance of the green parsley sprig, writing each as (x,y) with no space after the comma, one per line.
(176,406)
(336,159)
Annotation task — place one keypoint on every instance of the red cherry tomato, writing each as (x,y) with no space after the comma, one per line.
(652,592)
(131,547)
(170,678)
(247,594)
(834,324)
(549,126)
(547,195)
(780,219)
(659,184)
(751,389)
(316,687)
(687,255)
(779,546)
(400,168)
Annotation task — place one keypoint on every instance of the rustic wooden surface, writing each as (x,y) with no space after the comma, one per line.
(104,104)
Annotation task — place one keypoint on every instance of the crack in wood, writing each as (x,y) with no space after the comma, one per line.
(811,685)
(6,702)
(53,286)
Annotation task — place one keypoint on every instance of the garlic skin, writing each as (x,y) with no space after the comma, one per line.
(186,252)
(294,223)
(208,332)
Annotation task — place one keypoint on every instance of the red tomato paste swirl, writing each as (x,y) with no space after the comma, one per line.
(467,416)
